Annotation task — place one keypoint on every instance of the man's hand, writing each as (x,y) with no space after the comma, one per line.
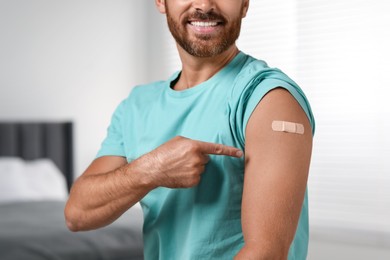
(180,162)
(110,185)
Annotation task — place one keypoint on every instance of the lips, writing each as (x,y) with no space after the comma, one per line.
(203,23)
(205,28)
(209,19)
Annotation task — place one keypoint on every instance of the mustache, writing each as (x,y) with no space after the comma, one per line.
(209,16)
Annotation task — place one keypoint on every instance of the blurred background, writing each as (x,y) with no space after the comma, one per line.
(77,59)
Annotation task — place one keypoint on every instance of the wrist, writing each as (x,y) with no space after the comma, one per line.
(141,169)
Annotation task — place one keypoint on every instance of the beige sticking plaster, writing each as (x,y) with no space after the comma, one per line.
(288,127)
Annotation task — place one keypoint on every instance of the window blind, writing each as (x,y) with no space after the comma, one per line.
(342,60)
(338,52)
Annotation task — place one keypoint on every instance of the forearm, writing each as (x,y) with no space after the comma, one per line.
(97,200)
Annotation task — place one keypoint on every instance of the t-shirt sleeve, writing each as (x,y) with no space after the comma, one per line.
(248,94)
(113,144)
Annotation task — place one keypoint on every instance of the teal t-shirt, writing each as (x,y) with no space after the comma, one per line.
(203,222)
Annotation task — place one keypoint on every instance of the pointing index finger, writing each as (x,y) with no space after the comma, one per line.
(220,149)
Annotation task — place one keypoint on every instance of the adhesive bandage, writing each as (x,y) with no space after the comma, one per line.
(288,127)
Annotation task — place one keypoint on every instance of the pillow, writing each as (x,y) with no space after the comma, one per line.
(30,180)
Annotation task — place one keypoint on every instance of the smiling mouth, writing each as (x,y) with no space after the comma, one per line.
(204,23)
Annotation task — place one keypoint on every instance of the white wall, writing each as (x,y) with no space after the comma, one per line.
(70,60)
(344,244)
(329,249)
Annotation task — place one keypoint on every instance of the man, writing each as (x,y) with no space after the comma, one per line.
(218,155)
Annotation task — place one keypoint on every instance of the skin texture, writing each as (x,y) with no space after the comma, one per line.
(198,43)
(110,185)
(276,172)
(276,163)
(196,70)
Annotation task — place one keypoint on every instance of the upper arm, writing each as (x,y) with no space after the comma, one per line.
(276,171)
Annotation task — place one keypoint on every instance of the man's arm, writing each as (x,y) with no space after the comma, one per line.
(102,193)
(276,172)
(110,185)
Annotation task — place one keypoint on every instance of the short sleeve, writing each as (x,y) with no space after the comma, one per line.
(113,143)
(251,88)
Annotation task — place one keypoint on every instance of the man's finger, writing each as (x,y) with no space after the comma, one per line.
(219,149)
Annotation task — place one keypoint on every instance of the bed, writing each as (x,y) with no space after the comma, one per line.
(36,173)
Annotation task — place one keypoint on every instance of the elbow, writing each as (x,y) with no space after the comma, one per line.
(77,219)
(262,252)
(246,255)
(73,219)
(72,226)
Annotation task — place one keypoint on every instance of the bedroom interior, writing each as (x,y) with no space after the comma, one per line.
(65,65)
(36,170)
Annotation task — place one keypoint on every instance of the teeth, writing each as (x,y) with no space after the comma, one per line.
(204,24)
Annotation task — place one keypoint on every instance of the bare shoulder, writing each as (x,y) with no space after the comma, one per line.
(261,138)
(277,105)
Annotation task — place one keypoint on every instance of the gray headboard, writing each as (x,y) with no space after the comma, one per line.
(34,140)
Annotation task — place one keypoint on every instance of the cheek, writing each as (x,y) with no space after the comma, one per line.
(232,8)
(178,8)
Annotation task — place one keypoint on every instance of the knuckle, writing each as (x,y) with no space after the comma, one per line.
(176,138)
(180,138)
(191,146)
(199,161)
(193,164)
(195,172)
(218,149)
(195,181)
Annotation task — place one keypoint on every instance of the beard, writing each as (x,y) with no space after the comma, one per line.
(204,45)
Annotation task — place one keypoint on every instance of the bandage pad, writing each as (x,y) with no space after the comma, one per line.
(288,127)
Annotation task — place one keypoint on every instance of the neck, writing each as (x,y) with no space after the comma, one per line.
(196,70)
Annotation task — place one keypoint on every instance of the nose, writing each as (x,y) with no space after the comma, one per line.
(204,6)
